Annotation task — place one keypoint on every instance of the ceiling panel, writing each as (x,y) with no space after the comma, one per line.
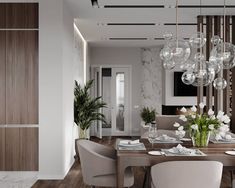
(92,22)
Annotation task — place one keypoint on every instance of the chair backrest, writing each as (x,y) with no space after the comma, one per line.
(187,174)
(89,153)
(167,121)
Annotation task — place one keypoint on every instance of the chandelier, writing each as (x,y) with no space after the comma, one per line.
(197,70)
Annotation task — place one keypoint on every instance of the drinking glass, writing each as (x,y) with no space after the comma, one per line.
(152,134)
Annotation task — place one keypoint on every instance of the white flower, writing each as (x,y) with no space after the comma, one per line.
(226,119)
(220,113)
(181,128)
(220,117)
(218,137)
(201,105)
(194,109)
(210,112)
(183,110)
(176,124)
(211,127)
(193,116)
(194,126)
(183,118)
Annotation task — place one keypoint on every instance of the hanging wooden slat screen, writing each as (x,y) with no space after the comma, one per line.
(223,99)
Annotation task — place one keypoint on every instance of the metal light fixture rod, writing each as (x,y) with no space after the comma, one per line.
(177,24)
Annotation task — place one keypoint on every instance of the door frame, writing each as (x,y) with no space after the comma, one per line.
(129,132)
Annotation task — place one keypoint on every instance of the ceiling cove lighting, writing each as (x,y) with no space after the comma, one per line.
(95,4)
(84,52)
(198,71)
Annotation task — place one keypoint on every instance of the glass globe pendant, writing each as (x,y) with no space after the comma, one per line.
(225,52)
(220,83)
(180,51)
(169,65)
(197,40)
(188,77)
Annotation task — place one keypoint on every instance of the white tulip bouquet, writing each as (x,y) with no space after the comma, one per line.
(201,125)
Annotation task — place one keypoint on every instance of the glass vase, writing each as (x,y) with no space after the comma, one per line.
(200,139)
(83,134)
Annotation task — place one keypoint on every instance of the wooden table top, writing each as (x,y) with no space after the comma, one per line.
(212,149)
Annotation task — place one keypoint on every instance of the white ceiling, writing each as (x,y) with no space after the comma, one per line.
(92,22)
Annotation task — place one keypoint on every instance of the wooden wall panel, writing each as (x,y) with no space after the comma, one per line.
(233,80)
(22,77)
(21,149)
(2,77)
(22,15)
(2,15)
(28,149)
(209,33)
(12,155)
(200,88)
(217,31)
(2,149)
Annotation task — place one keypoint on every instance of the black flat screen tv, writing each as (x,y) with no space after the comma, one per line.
(183,90)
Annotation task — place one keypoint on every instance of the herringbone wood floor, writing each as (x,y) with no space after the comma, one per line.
(74,177)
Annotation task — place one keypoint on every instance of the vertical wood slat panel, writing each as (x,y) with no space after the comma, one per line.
(209,34)
(2,149)
(2,77)
(200,88)
(21,149)
(217,31)
(2,15)
(233,80)
(22,77)
(226,72)
(22,15)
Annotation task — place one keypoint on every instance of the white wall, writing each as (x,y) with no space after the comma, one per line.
(56,83)
(51,165)
(68,88)
(123,56)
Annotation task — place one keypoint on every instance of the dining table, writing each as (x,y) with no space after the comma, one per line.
(134,158)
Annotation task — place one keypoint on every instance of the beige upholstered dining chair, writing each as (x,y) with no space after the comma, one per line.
(185,174)
(167,121)
(98,164)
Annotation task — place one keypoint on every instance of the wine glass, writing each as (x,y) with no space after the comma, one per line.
(152,134)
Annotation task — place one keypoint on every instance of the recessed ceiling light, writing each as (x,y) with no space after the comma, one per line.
(95,3)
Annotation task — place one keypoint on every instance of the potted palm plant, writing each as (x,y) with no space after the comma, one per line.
(148,115)
(86,108)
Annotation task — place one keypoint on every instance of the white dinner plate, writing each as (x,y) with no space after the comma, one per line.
(154,153)
(230,152)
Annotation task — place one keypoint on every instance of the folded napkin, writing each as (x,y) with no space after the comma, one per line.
(165,137)
(179,149)
(129,142)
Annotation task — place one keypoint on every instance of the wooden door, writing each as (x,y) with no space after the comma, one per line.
(22,15)
(2,77)
(22,77)
(21,149)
